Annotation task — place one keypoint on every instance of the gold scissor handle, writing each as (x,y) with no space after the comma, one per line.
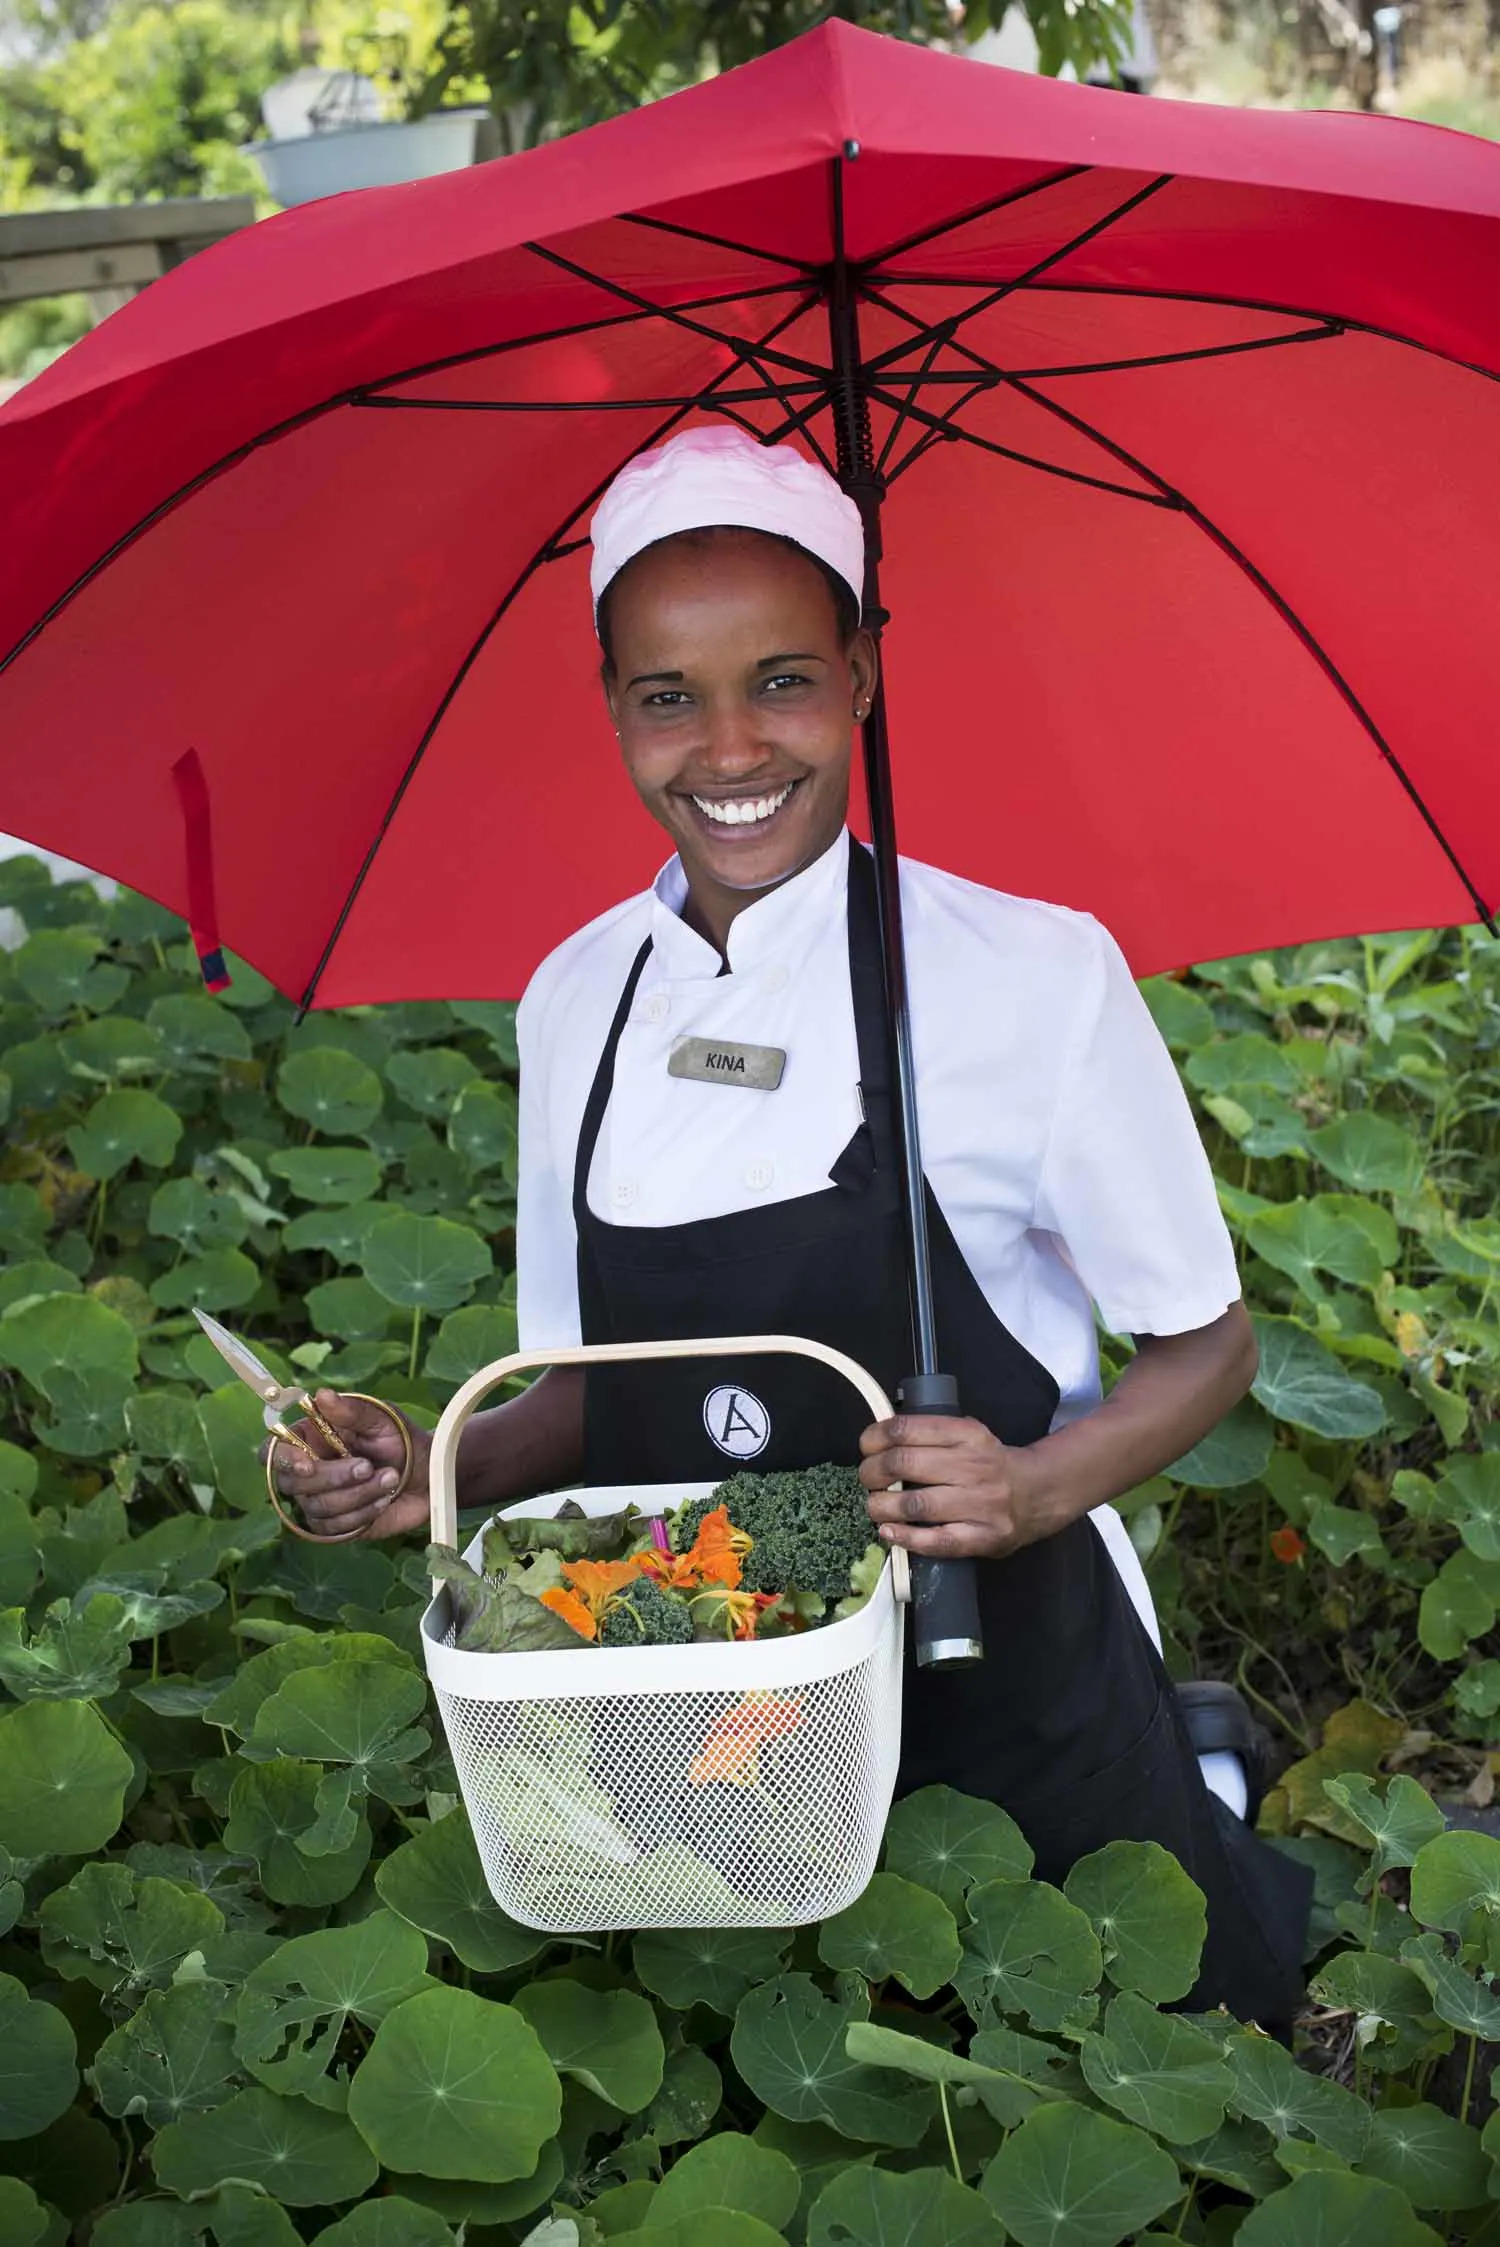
(279,1434)
(287,1400)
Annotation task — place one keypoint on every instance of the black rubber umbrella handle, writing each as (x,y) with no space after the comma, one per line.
(945,1593)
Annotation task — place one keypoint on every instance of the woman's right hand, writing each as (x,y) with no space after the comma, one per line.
(334,1496)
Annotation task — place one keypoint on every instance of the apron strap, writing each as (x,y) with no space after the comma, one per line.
(601,1088)
(867,989)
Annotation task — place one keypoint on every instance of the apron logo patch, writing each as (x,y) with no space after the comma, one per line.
(737,1422)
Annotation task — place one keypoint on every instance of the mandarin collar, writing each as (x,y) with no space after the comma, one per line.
(784,921)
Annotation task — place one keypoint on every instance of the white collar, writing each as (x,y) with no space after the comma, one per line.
(780,924)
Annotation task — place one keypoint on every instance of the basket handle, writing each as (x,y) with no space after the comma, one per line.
(442,1463)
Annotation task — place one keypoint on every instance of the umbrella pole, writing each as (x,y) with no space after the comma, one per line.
(945,1592)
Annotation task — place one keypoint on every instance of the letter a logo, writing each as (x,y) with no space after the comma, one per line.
(737,1422)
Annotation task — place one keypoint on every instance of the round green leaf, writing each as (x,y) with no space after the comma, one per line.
(55,968)
(220,1280)
(327,1174)
(469,1338)
(294,2007)
(340,1231)
(711,1966)
(1184,1018)
(424,1263)
(24,2222)
(894,1928)
(1321,2209)
(69,1334)
(1157,2071)
(430,1078)
(173,2056)
(726,2227)
(1453,1876)
(607,2039)
(1243,1062)
(1396,2024)
(299,2154)
(185,1210)
(63,1776)
(36,1275)
(274,1808)
(483,1127)
(1149,1916)
(190,1025)
(346,1712)
(866,2207)
(1456,1607)
(1463,1999)
(1369,1153)
(948,1842)
(1070,2178)
(1235,1452)
(111,1047)
(120,1929)
(122,1128)
(728,2171)
(390,2221)
(788,2044)
(1399,1818)
(38,2062)
(348,1307)
(436,1881)
(18,1472)
(1029,1951)
(1468,1495)
(1437,2161)
(1303,1238)
(456,2086)
(692,2091)
(495,1019)
(1302,1382)
(1271,2089)
(330,1090)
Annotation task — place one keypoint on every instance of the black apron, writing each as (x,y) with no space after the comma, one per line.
(1069,1723)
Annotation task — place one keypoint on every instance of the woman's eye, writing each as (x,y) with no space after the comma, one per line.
(665,698)
(787,679)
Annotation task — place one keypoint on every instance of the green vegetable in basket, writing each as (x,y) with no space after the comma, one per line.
(570,1533)
(496,1615)
(809,1529)
(646,1614)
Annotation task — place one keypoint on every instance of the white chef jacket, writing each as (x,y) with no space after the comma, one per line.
(1055,1134)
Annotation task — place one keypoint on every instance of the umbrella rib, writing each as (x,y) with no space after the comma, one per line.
(946,329)
(798,265)
(676,315)
(551,549)
(971,217)
(1302,631)
(574,405)
(955,433)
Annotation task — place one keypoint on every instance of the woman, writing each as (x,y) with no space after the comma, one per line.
(663,1193)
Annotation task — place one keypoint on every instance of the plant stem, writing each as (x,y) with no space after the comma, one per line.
(1187,2202)
(948,2126)
(416,1336)
(1463,2104)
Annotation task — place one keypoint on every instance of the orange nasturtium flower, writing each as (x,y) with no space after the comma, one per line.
(592,1584)
(731,1752)
(1288,1544)
(737,1614)
(713,1557)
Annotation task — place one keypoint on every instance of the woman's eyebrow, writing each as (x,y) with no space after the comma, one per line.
(655,678)
(793,655)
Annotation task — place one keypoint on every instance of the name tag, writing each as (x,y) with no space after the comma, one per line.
(757,1068)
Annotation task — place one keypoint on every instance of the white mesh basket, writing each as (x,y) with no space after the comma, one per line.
(674,1786)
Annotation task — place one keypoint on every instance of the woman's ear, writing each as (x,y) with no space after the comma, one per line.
(609,683)
(864,671)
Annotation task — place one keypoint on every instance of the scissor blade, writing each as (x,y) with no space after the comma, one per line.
(239,1357)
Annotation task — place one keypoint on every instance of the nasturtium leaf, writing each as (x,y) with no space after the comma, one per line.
(949,1842)
(221,1279)
(1302,1382)
(38,2062)
(122,1128)
(726,2227)
(454,2085)
(1369,1153)
(63,1776)
(164,1425)
(430,1078)
(1321,2209)
(79,1651)
(20,1553)
(728,2171)
(112,1046)
(24,2222)
(867,2207)
(424,1263)
(1468,1495)
(1394,2020)
(483,1127)
(894,1929)
(495,1019)
(1235,1452)
(1157,2071)
(340,1231)
(239,1702)
(1271,2089)
(1454,1876)
(468,2202)
(357,1712)
(173,2056)
(1304,1238)
(1068,2177)
(69,1334)
(389,2221)
(1182,1015)
(348,1307)
(188,1212)
(1343,1533)
(294,2007)
(189,1025)
(476,1335)
(273,1807)
(1029,1951)
(299,2154)
(692,2091)
(436,1881)
(55,968)
(607,2039)
(1399,1818)
(788,2044)
(328,1174)
(1436,2160)
(36,1275)
(123,1930)
(987,2070)
(330,1090)
(18,1472)
(1149,1916)
(1458,1605)
(322,1580)
(35,1073)
(711,1966)
(149,1611)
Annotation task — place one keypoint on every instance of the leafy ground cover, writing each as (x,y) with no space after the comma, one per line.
(253,1988)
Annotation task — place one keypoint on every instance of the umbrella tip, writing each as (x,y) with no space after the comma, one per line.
(851,151)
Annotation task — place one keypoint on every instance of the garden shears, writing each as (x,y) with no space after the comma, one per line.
(280,1397)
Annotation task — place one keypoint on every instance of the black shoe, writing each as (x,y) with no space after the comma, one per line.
(1218,1717)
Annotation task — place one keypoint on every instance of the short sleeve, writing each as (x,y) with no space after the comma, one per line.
(547,1313)
(1125,1184)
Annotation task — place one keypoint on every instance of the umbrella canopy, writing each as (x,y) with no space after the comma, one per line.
(1187,426)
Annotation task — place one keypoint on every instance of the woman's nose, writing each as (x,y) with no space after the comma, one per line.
(731,743)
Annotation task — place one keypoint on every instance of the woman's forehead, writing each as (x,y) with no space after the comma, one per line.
(699,579)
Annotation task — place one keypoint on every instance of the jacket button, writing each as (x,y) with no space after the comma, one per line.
(657,1007)
(758,1176)
(623,1192)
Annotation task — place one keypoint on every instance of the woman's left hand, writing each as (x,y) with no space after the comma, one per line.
(968,1496)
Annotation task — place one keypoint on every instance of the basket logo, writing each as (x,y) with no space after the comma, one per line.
(737,1422)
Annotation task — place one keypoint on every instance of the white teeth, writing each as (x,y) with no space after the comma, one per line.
(742,811)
